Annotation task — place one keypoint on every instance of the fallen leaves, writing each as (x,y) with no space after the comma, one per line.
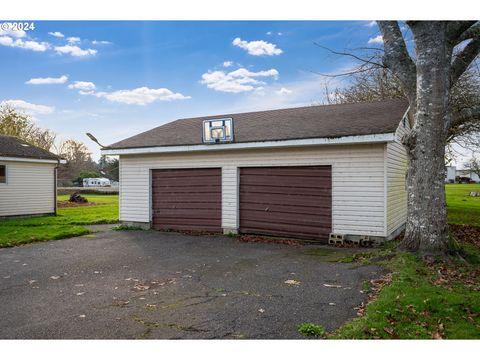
(332,286)
(292,282)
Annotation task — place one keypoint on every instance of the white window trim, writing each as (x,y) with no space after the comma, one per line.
(6,175)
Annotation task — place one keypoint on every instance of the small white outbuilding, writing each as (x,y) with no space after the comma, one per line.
(28,177)
(312,172)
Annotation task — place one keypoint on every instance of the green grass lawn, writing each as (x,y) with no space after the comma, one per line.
(462,208)
(67,223)
(427,300)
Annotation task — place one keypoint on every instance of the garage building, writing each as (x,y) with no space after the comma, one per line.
(305,172)
(28,176)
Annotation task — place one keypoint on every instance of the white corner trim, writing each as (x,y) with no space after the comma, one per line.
(21,159)
(359,139)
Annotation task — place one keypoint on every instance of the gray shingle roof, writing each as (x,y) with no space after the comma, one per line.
(11,146)
(325,121)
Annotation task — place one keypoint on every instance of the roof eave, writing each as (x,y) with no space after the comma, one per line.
(343,140)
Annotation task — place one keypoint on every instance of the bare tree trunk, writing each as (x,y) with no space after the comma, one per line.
(426,229)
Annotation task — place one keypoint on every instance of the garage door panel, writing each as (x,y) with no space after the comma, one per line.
(286,201)
(273,216)
(293,200)
(209,213)
(186,227)
(187,199)
(272,189)
(186,205)
(186,182)
(288,209)
(187,173)
(292,181)
(296,171)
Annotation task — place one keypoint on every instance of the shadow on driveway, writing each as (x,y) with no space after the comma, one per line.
(147,284)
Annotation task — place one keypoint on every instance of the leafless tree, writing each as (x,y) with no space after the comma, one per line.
(473,165)
(442,56)
(427,83)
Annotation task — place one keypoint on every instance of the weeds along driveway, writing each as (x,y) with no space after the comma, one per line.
(147,284)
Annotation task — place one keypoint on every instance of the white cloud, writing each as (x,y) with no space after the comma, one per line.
(74,50)
(29,44)
(257,47)
(48,80)
(101,42)
(141,96)
(240,80)
(269,33)
(13,33)
(82,85)
(279,33)
(29,108)
(73,39)
(227,63)
(57,34)
(6,41)
(376,40)
(283,91)
(371,23)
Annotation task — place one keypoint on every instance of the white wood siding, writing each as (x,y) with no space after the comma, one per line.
(358,189)
(396,165)
(29,189)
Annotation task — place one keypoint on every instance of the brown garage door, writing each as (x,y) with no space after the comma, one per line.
(287,201)
(187,199)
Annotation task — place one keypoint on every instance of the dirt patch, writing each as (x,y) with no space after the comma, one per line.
(68,204)
(466,234)
(267,240)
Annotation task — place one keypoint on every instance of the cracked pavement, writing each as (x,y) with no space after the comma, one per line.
(153,285)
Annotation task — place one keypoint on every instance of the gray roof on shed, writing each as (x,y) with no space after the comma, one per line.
(11,146)
(324,121)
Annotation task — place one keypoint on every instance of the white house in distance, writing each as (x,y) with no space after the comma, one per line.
(96,182)
(27,179)
(306,172)
(450,173)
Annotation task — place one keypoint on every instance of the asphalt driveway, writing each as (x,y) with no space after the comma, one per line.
(147,284)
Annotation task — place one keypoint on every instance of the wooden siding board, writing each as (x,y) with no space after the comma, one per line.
(30,189)
(396,167)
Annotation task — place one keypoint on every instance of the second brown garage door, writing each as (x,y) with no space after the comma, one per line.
(287,201)
(187,199)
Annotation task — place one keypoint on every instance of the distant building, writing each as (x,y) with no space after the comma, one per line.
(96,182)
(468,174)
(450,174)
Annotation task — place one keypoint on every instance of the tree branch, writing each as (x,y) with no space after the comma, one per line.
(464,59)
(457,31)
(396,57)
(470,33)
(468,113)
(368,61)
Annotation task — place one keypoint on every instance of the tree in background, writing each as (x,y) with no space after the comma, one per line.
(20,125)
(378,84)
(79,159)
(473,165)
(109,167)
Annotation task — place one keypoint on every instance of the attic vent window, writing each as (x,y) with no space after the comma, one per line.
(217,131)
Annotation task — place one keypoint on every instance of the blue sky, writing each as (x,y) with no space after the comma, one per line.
(115,79)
